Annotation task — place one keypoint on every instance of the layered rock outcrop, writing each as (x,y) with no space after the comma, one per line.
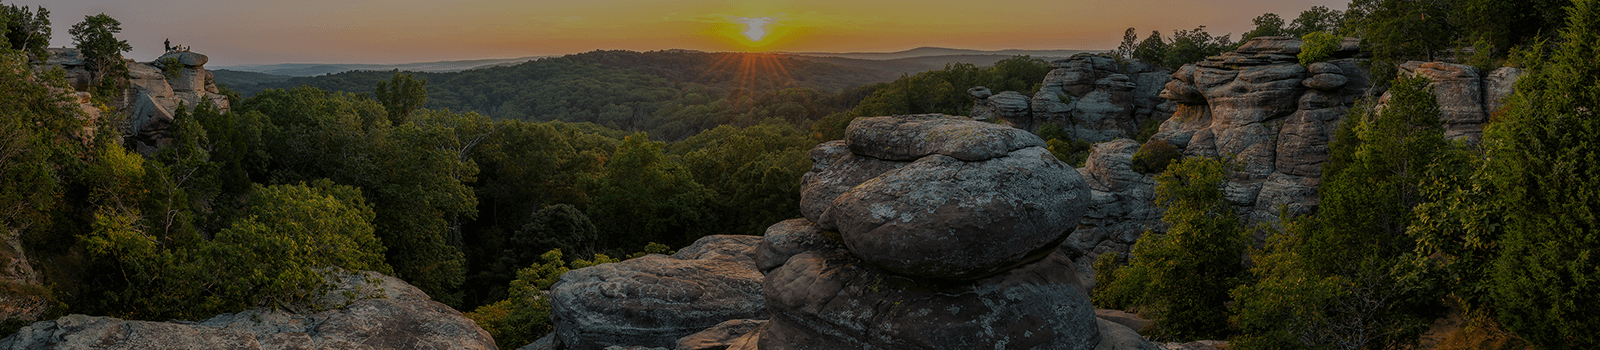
(1466,98)
(1094,98)
(1261,109)
(929,232)
(655,300)
(404,319)
(155,91)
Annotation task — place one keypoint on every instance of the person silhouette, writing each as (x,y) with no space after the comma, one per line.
(167,44)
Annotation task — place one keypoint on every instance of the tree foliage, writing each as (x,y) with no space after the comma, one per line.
(25,30)
(401,95)
(1343,278)
(96,40)
(1541,167)
(1184,277)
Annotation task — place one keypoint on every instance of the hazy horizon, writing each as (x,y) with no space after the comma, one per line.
(410,31)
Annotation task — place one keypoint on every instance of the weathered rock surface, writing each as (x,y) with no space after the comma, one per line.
(911,137)
(830,299)
(406,319)
(730,335)
(975,198)
(1272,116)
(932,250)
(1459,89)
(1114,336)
(1132,321)
(1466,97)
(1097,99)
(1122,207)
(152,98)
(944,218)
(655,300)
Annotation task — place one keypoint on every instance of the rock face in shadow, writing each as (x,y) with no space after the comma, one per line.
(924,249)
(1122,206)
(406,319)
(1466,97)
(654,300)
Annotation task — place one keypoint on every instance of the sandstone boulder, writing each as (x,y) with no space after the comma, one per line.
(657,299)
(730,335)
(1459,90)
(829,299)
(944,218)
(834,171)
(405,319)
(907,138)
(188,59)
(1499,84)
(1114,336)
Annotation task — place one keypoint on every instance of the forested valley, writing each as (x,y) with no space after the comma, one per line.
(481,187)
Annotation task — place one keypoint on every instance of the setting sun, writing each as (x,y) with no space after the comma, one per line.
(755,29)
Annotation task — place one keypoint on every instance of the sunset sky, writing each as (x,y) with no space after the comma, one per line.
(235,32)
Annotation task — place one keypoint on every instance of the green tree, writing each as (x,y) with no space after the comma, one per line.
(1130,43)
(1268,24)
(1399,30)
(96,39)
(754,173)
(647,196)
(1151,49)
(1542,166)
(1184,276)
(1190,46)
(25,30)
(1343,278)
(1317,19)
(412,174)
(401,95)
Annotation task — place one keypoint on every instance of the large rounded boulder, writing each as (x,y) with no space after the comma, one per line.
(944,197)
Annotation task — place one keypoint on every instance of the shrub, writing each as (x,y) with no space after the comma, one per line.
(1184,276)
(1154,156)
(1318,47)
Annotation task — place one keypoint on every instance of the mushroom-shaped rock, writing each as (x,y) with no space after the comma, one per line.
(944,218)
(657,299)
(980,92)
(189,59)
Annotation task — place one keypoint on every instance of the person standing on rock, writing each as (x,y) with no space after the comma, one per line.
(168,44)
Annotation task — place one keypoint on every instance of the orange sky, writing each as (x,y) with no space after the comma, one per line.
(399,31)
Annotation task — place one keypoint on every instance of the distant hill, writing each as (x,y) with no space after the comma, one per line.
(314,69)
(913,65)
(940,51)
(236,78)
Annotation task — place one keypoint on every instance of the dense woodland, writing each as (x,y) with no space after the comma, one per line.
(481,187)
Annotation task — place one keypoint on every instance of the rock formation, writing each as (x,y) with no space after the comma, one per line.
(654,300)
(1465,97)
(1094,98)
(406,318)
(152,98)
(1121,210)
(1261,109)
(928,232)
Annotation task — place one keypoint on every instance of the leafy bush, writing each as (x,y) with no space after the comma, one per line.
(1184,277)
(1318,47)
(1154,156)
(525,315)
